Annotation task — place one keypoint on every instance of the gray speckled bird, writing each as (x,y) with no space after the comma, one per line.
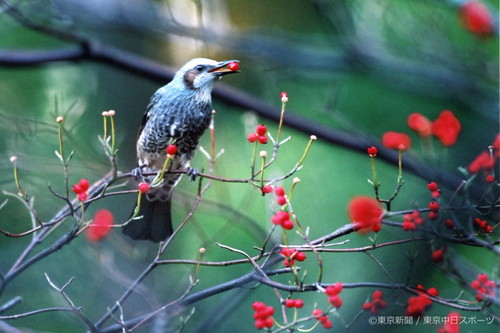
(178,113)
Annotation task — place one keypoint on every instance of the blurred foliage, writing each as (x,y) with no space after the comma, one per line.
(356,66)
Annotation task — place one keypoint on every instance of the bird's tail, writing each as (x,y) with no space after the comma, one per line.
(155,224)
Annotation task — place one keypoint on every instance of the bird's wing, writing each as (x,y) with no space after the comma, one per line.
(154,99)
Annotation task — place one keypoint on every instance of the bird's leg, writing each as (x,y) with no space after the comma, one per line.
(192,173)
(137,174)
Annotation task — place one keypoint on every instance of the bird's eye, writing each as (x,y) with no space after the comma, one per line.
(199,68)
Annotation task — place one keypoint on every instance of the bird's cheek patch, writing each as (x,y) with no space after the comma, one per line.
(189,78)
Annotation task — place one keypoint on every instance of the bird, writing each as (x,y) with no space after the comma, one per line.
(178,113)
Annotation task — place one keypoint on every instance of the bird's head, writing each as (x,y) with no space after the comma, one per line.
(201,73)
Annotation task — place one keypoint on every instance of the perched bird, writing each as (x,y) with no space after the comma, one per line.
(178,114)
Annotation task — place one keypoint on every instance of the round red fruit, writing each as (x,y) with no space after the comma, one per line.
(171,149)
(261,129)
(233,66)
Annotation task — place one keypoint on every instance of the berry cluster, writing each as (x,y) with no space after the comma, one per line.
(280,195)
(333,292)
(322,318)
(483,225)
(434,210)
(434,188)
(417,305)
(294,303)
(291,255)
(377,302)
(81,188)
(263,315)
(410,221)
(259,135)
(483,286)
(446,127)
(282,218)
(365,213)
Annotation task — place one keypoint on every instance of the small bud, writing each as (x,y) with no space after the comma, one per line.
(313,137)
(105,113)
(263,154)
(296,180)
(202,250)
(111,113)
(284,96)
(13,159)
(59,119)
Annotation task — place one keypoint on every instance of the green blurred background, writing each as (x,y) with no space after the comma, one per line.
(359,67)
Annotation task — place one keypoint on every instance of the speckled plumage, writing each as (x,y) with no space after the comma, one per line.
(178,113)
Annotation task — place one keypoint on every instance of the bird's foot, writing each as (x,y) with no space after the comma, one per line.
(192,173)
(137,174)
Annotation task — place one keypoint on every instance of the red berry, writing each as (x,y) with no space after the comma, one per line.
(84,184)
(82,196)
(336,301)
(433,215)
(252,137)
(144,188)
(436,194)
(433,206)
(77,189)
(298,303)
(258,306)
(449,223)
(334,289)
(171,149)
(284,96)
(261,129)
(372,151)
(279,191)
(233,66)
(290,303)
(267,189)
(300,256)
(262,139)
(281,200)
(437,256)
(317,313)
(490,179)
(432,186)
(287,224)
(476,18)
(433,291)
(259,324)
(327,324)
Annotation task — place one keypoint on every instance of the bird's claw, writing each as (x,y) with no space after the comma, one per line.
(137,174)
(192,173)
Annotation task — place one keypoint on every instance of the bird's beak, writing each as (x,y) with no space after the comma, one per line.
(226,67)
